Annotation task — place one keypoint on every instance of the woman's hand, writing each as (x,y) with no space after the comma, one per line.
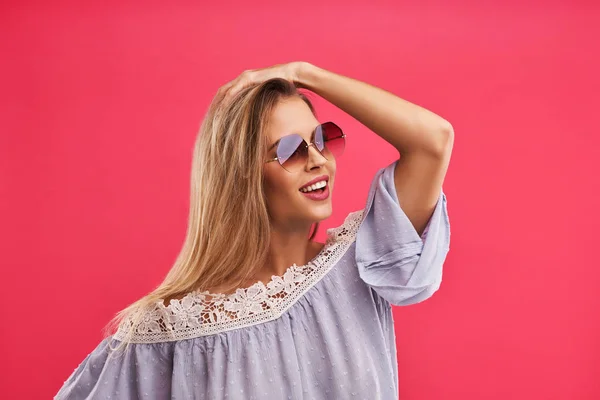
(289,72)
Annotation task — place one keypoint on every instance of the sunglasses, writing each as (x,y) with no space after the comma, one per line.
(292,150)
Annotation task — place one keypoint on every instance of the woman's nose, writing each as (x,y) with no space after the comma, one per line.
(315,158)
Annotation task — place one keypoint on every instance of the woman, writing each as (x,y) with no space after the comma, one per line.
(254,308)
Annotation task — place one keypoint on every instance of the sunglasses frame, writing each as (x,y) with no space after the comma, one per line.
(313,143)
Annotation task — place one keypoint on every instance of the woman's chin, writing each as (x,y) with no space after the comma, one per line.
(321,213)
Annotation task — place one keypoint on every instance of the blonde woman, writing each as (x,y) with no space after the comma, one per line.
(253,307)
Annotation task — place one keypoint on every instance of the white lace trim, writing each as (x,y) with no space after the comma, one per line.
(205,313)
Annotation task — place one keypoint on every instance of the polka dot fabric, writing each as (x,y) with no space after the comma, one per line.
(329,336)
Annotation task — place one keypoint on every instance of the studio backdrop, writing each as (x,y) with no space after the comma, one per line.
(101,104)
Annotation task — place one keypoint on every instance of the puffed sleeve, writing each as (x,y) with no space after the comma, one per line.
(398,264)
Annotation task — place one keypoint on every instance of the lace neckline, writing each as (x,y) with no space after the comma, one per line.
(274,278)
(201,313)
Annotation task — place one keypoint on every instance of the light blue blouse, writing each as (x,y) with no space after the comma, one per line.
(321,331)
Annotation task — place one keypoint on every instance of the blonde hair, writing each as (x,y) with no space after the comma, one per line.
(228,232)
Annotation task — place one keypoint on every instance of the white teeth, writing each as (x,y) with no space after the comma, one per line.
(316,186)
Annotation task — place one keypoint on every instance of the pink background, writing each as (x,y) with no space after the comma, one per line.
(100,106)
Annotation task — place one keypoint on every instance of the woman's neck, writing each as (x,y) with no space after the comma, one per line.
(288,248)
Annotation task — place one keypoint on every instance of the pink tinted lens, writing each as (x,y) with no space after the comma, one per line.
(335,142)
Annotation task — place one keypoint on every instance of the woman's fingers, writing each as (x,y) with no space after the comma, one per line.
(223,90)
(245,79)
(255,76)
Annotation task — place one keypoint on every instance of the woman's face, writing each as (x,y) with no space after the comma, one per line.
(288,205)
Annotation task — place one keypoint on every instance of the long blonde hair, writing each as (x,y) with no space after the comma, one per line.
(228,232)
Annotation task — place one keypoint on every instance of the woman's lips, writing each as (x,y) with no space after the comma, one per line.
(317,195)
(319,179)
